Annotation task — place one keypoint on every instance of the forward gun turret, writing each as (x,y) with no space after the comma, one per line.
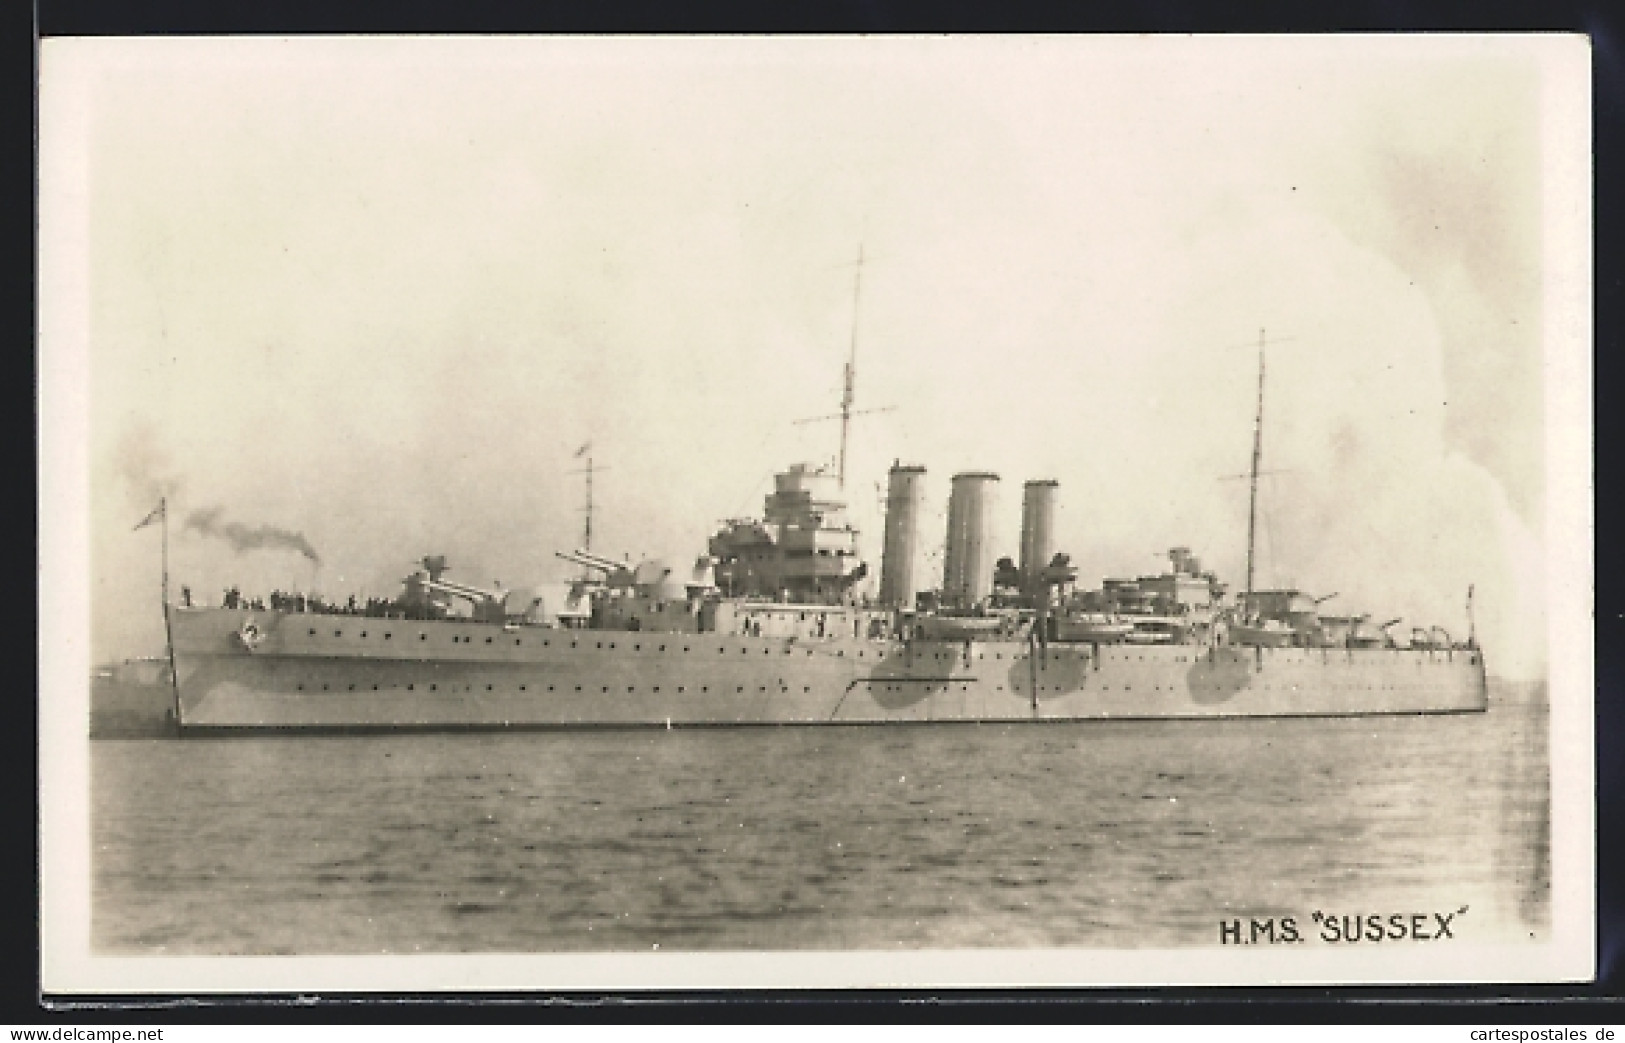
(427,592)
(611,573)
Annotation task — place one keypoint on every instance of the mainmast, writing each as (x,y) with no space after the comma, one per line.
(1258,453)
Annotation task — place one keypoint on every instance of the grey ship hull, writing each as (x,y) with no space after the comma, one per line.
(349,673)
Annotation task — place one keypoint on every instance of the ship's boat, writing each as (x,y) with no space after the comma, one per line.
(1091,627)
(1267,633)
(961,628)
(1154,630)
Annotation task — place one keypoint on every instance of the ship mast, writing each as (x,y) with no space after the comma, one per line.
(1258,453)
(850,375)
(849,379)
(160,514)
(586,525)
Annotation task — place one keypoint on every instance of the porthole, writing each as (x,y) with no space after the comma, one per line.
(637,648)
(423,637)
(410,687)
(388,635)
(739,688)
(312,631)
(680,688)
(705,688)
(578,688)
(662,648)
(487,688)
(516,640)
(301,687)
(606,687)
(363,633)
(375,688)
(434,688)
(487,640)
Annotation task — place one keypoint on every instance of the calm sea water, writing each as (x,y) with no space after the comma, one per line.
(1099,834)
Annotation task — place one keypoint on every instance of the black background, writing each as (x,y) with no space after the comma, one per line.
(1574,1005)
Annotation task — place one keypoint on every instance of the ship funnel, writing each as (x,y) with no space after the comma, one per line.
(897,580)
(968,569)
(1037,528)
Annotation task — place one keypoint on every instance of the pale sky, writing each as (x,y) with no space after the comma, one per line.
(376,292)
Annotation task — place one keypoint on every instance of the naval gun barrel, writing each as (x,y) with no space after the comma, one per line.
(488,605)
(461,590)
(590,560)
(615,573)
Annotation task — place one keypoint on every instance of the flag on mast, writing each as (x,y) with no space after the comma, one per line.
(156,515)
(583,450)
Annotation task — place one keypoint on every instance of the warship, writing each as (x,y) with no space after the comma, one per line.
(770,626)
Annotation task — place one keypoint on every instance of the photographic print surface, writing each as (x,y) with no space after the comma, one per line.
(1081,508)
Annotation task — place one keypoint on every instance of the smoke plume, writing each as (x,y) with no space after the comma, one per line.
(206,521)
